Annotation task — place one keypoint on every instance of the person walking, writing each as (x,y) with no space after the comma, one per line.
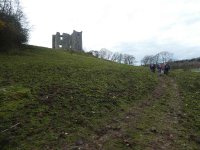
(162,66)
(153,68)
(159,69)
(166,69)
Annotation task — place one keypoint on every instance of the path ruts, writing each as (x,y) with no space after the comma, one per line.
(151,124)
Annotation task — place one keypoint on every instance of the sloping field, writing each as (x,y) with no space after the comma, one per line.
(54,99)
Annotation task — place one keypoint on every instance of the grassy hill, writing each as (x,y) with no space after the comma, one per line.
(189,88)
(50,98)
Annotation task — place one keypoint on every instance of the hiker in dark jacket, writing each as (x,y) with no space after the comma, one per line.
(153,67)
(166,69)
(162,68)
(159,69)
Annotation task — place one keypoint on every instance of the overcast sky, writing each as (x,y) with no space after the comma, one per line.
(137,27)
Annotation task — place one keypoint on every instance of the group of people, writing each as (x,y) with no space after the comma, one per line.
(162,68)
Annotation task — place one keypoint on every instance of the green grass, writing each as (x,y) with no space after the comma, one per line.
(58,97)
(195,70)
(189,85)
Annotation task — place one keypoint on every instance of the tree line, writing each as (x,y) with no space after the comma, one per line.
(114,56)
(161,57)
(13,25)
(167,57)
(186,64)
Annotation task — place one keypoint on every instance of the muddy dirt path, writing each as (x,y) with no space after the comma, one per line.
(151,124)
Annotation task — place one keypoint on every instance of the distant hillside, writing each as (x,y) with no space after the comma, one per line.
(186,64)
(52,97)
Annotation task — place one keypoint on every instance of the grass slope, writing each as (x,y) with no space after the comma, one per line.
(49,98)
(189,85)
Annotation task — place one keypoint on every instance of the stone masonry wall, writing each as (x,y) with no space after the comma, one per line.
(66,41)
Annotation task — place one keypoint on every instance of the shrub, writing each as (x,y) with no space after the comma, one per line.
(13,32)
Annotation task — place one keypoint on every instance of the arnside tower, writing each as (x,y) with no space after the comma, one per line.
(67,41)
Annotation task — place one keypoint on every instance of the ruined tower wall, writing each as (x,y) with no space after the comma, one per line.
(66,41)
(76,41)
(53,41)
(57,40)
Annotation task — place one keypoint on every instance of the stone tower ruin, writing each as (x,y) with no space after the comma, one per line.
(66,41)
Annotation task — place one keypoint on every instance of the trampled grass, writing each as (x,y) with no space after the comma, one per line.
(189,85)
(51,98)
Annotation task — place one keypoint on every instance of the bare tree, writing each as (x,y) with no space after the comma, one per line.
(161,57)
(115,57)
(13,24)
(156,59)
(94,53)
(120,58)
(103,53)
(129,59)
(148,59)
(12,8)
(109,55)
(165,56)
(144,60)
